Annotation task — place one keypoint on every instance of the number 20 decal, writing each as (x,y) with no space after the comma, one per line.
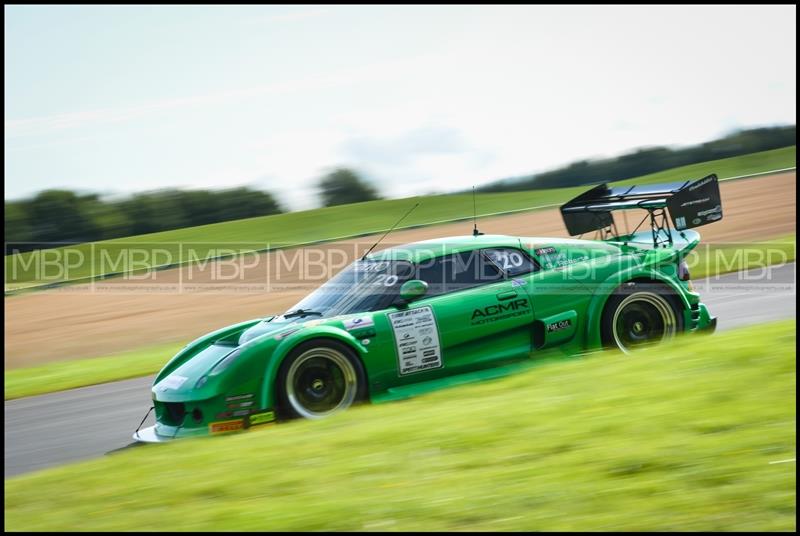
(507,259)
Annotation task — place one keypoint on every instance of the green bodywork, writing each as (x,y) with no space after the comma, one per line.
(226,380)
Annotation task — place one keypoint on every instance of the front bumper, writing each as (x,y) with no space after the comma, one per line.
(162,432)
(151,435)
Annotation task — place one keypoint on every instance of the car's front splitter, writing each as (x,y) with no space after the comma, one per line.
(149,435)
(162,433)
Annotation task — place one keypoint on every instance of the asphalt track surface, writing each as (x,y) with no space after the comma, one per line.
(53,429)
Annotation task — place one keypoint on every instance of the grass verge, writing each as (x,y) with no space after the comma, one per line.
(195,244)
(63,375)
(694,436)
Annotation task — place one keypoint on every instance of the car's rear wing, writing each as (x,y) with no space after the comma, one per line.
(690,204)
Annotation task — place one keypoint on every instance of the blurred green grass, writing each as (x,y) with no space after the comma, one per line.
(61,375)
(282,230)
(677,438)
(725,167)
(74,373)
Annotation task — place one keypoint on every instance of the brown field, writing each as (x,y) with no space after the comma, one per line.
(181,304)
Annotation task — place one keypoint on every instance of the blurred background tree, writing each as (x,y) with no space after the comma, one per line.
(645,160)
(53,217)
(61,215)
(342,186)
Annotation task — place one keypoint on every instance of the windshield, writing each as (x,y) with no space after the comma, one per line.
(365,285)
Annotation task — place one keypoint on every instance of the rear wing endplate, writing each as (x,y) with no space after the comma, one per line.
(690,204)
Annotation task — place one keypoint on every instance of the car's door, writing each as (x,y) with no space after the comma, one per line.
(471,318)
(560,292)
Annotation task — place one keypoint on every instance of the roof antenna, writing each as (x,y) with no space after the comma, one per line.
(475,231)
(389,231)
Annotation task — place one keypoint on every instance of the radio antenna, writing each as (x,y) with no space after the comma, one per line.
(389,231)
(475,231)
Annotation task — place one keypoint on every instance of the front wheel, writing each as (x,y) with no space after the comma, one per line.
(318,379)
(639,315)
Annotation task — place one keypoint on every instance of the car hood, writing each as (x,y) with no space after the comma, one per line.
(195,376)
(280,326)
(271,325)
(186,379)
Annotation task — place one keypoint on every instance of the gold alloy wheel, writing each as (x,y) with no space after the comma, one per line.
(320,382)
(643,319)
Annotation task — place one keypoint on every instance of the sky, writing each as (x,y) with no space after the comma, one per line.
(419,99)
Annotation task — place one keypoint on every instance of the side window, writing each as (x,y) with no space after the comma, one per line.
(456,272)
(512,261)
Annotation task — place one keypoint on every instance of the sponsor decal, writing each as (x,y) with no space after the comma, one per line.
(710,211)
(240,404)
(700,184)
(312,323)
(238,397)
(545,251)
(358,322)
(500,311)
(223,415)
(696,221)
(281,336)
(714,217)
(566,261)
(680,223)
(241,413)
(416,339)
(172,382)
(558,326)
(225,426)
(695,201)
(262,418)
(517,283)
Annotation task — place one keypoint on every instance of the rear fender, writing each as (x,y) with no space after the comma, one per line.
(607,287)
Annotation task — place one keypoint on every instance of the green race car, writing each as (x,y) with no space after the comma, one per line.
(425,315)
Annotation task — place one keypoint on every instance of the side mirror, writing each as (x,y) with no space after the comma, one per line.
(413,290)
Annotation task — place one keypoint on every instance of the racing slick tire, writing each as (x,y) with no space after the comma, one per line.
(639,314)
(319,378)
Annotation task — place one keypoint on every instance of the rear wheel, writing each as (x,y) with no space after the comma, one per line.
(320,378)
(640,314)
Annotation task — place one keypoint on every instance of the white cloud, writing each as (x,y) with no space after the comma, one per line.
(467,96)
(364,74)
(291,16)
